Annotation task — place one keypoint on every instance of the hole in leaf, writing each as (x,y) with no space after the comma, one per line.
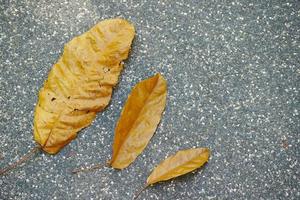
(106,69)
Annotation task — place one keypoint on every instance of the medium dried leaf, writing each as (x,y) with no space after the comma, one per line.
(181,163)
(80,84)
(138,121)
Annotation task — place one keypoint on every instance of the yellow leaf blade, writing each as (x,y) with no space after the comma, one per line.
(179,164)
(138,121)
(80,84)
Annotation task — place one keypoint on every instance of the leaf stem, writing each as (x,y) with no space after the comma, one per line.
(26,157)
(140,191)
(92,168)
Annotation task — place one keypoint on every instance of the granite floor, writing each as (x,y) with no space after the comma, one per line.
(233,70)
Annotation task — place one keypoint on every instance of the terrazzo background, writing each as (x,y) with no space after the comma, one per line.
(233,73)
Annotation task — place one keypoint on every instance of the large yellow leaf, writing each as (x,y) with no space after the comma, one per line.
(181,163)
(80,84)
(138,121)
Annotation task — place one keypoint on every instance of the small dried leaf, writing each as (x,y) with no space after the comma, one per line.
(80,84)
(179,164)
(138,121)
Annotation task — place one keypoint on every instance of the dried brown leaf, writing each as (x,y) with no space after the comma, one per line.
(179,164)
(138,121)
(80,84)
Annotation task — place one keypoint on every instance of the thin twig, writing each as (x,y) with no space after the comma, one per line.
(140,191)
(87,169)
(20,161)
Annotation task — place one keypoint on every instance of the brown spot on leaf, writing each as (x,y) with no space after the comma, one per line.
(53,99)
(106,69)
(100,85)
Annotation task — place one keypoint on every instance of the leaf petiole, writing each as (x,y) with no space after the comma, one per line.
(140,191)
(23,159)
(92,168)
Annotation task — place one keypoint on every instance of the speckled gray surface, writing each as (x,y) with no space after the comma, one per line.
(233,73)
